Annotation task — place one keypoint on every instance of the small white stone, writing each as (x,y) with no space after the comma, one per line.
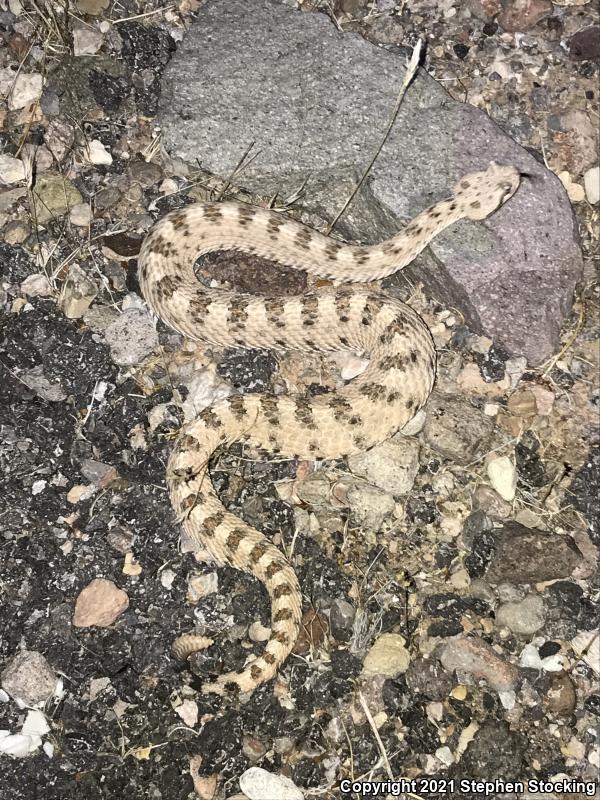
(460,579)
(444,754)
(18,745)
(86,42)
(350,365)
(26,89)
(36,285)
(258,784)
(12,169)
(167,576)
(188,711)
(48,749)
(38,487)
(201,585)
(515,367)
(591,181)
(97,687)
(80,215)
(530,657)
(168,186)
(415,425)
(35,724)
(503,477)
(96,153)
(574,190)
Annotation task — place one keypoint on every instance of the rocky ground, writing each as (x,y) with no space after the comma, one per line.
(450,575)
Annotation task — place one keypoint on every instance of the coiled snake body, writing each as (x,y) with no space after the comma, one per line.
(368,410)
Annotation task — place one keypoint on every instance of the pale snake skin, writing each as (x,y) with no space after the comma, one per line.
(367,411)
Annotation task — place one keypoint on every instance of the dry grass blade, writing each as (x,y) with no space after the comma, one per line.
(411,69)
(371,722)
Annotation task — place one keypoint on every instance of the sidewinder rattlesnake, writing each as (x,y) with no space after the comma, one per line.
(368,410)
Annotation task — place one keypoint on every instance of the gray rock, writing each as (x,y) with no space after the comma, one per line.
(29,677)
(392,466)
(455,429)
(370,505)
(524,617)
(35,379)
(494,752)
(341,619)
(131,337)
(428,677)
(315,490)
(77,293)
(315,101)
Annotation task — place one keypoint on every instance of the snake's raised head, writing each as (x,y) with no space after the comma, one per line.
(479,194)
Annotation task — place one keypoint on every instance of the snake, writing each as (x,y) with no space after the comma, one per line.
(343,315)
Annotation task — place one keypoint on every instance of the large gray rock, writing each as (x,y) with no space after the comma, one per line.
(316,103)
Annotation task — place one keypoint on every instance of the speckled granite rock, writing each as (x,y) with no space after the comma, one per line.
(314,102)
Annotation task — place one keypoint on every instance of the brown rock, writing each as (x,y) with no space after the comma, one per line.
(100,603)
(529,555)
(574,138)
(561,697)
(522,403)
(478,659)
(490,501)
(484,9)
(522,15)
(455,429)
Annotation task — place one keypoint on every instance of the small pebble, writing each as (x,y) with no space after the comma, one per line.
(341,619)
(561,696)
(101,475)
(392,466)
(388,656)
(201,585)
(86,41)
(524,617)
(476,658)
(131,337)
(502,473)
(36,285)
(16,232)
(258,784)
(29,677)
(530,658)
(24,89)
(80,215)
(12,169)
(96,153)
(77,293)
(591,181)
(100,603)
(575,191)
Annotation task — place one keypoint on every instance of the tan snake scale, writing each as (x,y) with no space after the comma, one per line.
(368,410)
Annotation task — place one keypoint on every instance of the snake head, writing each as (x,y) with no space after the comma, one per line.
(479,194)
